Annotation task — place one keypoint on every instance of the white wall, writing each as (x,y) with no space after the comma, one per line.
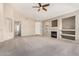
(77,27)
(38,28)
(27,24)
(27,27)
(1,23)
(7,12)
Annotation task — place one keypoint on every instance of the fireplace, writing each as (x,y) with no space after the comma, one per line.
(54,34)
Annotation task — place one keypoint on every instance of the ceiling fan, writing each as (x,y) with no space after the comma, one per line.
(41,6)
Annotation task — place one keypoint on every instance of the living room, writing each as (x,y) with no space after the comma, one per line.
(39,29)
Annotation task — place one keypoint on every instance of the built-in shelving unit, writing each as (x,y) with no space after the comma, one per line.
(68,28)
(65,26)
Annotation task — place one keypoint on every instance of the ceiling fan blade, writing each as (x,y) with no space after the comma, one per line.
(36,7)
(39,4)
(38,10)
(44,9)
(45,5)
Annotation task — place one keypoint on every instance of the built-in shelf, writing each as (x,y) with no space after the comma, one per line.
(68,35)
(67,39)
(68,32)
(68,29)
(65,28)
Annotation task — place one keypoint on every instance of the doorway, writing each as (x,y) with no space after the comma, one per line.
(17,28)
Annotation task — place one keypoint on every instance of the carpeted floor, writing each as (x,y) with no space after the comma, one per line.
(38,46)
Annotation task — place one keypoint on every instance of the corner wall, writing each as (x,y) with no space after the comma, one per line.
(8,14)
(38,28)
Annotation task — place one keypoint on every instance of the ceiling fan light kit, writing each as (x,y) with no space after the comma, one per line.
(40,6)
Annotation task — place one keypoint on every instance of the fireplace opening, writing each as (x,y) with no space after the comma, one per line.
(54,34)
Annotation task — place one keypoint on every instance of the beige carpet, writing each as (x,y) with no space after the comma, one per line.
(38,46)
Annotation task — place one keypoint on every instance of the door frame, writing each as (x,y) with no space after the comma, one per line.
(15,22)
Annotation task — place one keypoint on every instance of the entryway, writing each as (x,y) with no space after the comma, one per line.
(17,28)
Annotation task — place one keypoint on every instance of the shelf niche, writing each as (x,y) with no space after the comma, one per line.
(54,23)
(68,23)
(69,32)
(68,37)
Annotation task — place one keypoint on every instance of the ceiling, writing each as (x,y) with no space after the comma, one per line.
(55,9)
